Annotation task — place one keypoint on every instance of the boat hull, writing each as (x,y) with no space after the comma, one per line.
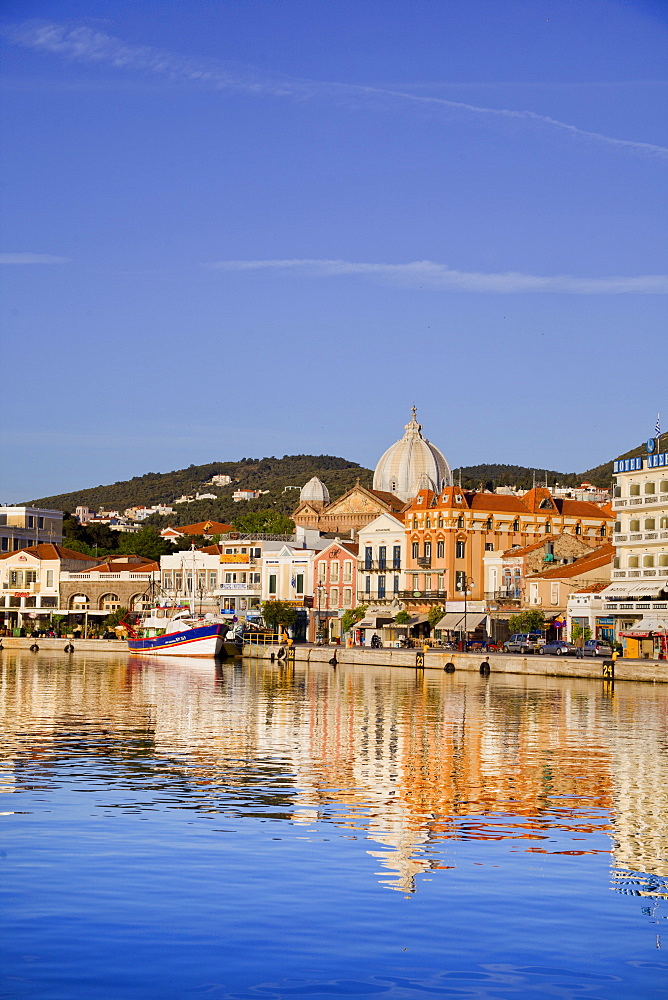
(207,641)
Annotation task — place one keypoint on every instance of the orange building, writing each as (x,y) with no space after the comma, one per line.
(449,533)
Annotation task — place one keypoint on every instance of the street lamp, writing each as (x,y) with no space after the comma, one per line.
(321,589)
(468,586)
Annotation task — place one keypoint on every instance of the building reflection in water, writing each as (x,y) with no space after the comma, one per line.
(410,760)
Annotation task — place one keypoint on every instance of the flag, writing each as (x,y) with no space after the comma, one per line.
(657,429)
(294,581)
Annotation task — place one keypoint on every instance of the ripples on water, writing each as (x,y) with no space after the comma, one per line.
(170,829)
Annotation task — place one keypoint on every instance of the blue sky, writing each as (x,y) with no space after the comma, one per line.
(251,228)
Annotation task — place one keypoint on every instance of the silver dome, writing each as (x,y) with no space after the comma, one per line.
(411,464)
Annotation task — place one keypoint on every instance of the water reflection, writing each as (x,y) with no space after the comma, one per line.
(411,761)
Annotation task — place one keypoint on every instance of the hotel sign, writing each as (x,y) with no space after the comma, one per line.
(627,465)
(657,461)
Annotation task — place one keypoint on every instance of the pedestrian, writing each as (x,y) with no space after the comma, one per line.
(579,646)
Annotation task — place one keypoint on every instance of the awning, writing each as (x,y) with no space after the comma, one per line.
(454,621)
(631,589)
(418,620)
(646,627)
(375,621)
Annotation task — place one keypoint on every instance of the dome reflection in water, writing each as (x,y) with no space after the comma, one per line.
(255,830)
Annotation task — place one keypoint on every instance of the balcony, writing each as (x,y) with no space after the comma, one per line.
(424,562)
(428,595)
(512,596)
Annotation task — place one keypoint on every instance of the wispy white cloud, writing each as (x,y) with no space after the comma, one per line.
(84,44)
(428,274)
(32,258)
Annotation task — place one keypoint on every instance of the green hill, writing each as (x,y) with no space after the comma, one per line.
(280,476)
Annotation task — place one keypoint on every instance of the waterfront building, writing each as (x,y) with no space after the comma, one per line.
(348,514)
(125,581)
(335,575)
(637,598)
(21,527)
(550,589)
(449,533)
(584,607)
(30,580)
(382,561)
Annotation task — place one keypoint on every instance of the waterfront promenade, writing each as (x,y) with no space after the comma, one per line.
(650,671)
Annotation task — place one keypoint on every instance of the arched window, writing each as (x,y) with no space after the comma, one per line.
(79,602)
(110,602)
(516,525)
(140,602)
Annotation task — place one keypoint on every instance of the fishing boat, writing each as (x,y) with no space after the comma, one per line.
(179,632)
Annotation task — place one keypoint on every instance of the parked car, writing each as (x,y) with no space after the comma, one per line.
(593,647)
(558,647)
(523,642)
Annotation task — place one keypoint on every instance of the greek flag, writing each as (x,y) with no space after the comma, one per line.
(294,581)
(657,429)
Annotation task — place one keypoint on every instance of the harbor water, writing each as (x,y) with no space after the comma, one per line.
(254,831)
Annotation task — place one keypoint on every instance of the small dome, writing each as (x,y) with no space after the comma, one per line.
(315,492)
(412,464)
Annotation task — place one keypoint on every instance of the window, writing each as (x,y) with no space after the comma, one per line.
(516,525)
(109,602)
(427,550)
(396,557)
(382,556)
(440,550)
(49,578)
(460,522)
(460,549)
(578,529)
(427,582)
(367,584)
(31,521)
(416,582)
(322,572)
(548,528)
(347,597)
(334,597)
(489,546)
(213,580)
(334,572)
(272,583)
(395,585)
(650,524)
(31,576)
(40,522)
(489,524)
(633,562)
(533,594)
(663,485)
(663,523)
(415,522)
(368,557)
(460,580)
(634,490)
(415,550)
(381,586)
(634,525)
(616,562)
(178,581)
(441,522)
(554,593)
(16,578)
(650,488)
(300,584)
(663,560)
(347,571)
(428,523)
(441,582)
(79,602)
(648,560)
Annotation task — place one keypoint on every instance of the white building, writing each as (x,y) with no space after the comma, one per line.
(21,527)
(30,580)
(382,560)
(637,598)
(246,495)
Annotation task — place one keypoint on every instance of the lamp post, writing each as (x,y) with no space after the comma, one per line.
(320,588)
(468,585)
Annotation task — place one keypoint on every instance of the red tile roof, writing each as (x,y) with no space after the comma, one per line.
(117,566)
(593,588)
(602,556)
(204,527)
(47,550)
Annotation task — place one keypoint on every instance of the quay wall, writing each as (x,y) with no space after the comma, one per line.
(653,671)
(58,645)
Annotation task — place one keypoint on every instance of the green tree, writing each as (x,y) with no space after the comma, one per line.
(264,522)
(115,618)
(576,631)
(527,621)
(146,542)
(434,615)
(402,618)
(351,617)
(277,613)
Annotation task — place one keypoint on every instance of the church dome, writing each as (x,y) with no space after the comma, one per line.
(315,492)
(412,464)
